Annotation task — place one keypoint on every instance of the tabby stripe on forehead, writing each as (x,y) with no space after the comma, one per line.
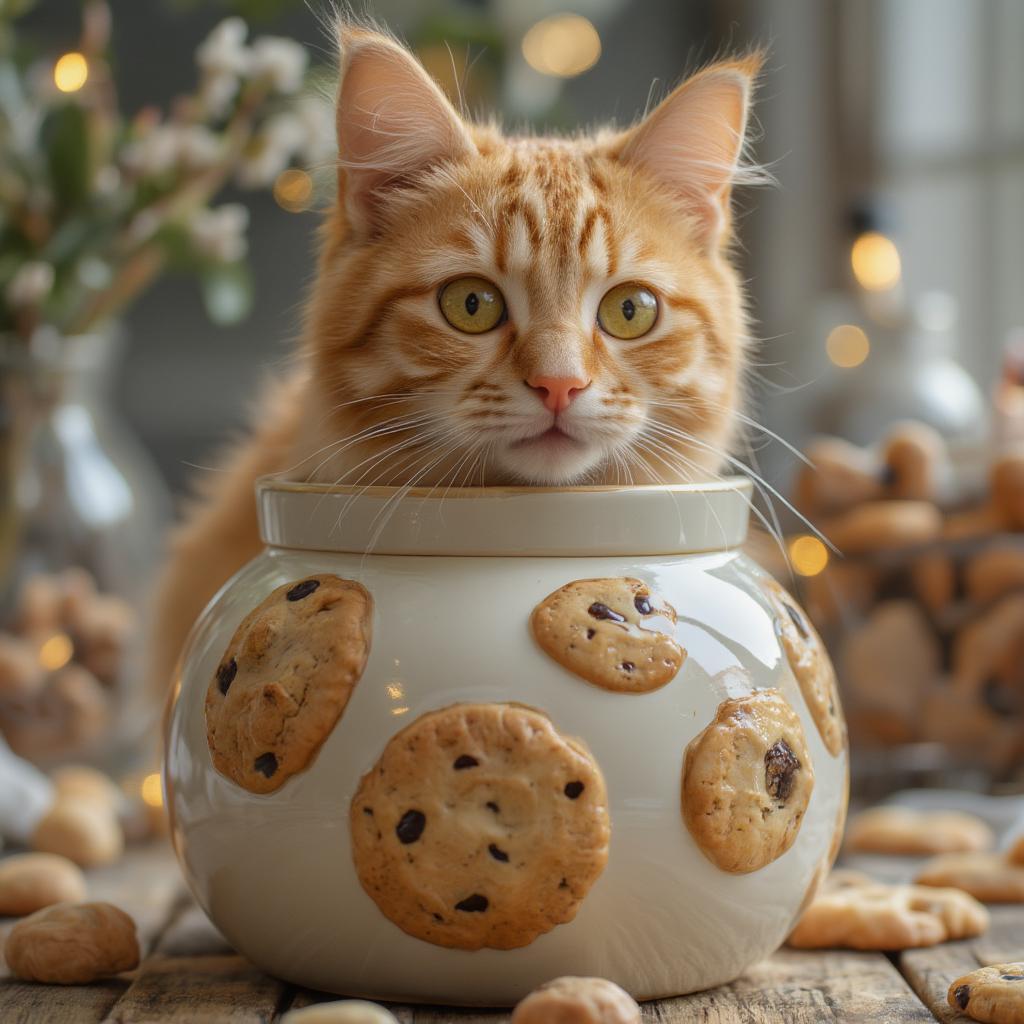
(365,332)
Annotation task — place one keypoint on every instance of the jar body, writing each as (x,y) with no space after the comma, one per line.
(275,872)
(78,493)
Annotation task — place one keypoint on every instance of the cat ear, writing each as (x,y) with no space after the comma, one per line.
(693,140)
(393,123)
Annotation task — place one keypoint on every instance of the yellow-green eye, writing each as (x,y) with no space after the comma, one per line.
(471,304)
(627,311)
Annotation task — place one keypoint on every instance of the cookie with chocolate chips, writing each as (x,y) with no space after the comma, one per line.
(611,632)
(992,994)
(811,666)
(480,826)
(747,781)
(285,679)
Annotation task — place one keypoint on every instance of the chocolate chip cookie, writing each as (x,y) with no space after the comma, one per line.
(612,632)
(906,831)
(989,877)
(747,781)
(285,679)
(480,826)
(992,994)
(811,666)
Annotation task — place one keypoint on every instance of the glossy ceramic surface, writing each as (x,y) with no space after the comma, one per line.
(275,872)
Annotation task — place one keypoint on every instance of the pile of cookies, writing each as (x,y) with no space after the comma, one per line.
(59,665)
(924,609)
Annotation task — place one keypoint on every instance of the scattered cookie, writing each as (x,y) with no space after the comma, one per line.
(1008,489)
(577,1001)
(285,679)
(31,881)
(903,830)
(72,944)
(993,994)
(480,826)
(612,632)
(934,581)
(343,1011)
(810,664)
(994,571)
(88,834)
(912,459)
(981,646)
(988,877)
(1015,854)
(884,526)
(839,475)
(865,915)
(747,780)
(82,783)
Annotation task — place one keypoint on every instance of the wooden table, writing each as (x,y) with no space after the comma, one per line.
(189,974)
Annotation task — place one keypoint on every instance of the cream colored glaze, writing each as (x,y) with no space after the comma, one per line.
(275,872)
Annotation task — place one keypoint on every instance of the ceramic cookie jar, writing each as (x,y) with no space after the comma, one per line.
(444,747)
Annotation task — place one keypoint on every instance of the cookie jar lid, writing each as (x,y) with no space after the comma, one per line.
(495,521)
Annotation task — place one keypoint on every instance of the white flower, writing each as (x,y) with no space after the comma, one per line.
(271,151)
(224,51)
(282,62)
(317,118)
(153,153)
(31,284)
(219,233)
(198,147)
(217,93)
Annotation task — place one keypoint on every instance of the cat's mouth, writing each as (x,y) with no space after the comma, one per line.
(552,439)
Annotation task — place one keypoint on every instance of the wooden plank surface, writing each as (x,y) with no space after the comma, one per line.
(192,975)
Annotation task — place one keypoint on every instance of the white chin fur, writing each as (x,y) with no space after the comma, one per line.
(547,468)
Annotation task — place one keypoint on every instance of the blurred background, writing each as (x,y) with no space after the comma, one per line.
(153,175)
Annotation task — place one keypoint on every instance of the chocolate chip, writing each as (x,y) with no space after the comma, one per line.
(962,995)
(573,789)
(798,621)
(887,477)
(497,853)
(226,675)
(465,761)
(1012,977)
(410,826)
(627,666)
(642,603)
(780,766)
(301,590)
(475,904)
(368,810)
(492,806)
(265,764)
(438,917)
(591,633)
(563,884)
(602,611)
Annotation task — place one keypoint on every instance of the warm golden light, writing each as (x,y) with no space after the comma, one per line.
(395,691)
(808,555)
(847,345)
(56,652)
(71,72)
(875,261)
(151,790)
(563,45)
(293,190)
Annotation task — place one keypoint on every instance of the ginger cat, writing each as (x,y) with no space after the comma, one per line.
(492,309)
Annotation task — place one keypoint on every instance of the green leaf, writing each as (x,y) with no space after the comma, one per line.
(65,137)
(227,292)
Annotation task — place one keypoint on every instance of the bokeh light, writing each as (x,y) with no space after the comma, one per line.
(293,190)
(875,261)
(151,790)
(56,652)
(71,72)
(808,555)
(564,45)
(847,345)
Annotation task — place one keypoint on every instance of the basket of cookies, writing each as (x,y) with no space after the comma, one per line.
(922,606)
(391,745)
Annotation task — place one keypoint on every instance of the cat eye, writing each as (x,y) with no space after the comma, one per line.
(627,311)
(471,304)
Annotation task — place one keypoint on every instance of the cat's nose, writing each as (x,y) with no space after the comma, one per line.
(557,393)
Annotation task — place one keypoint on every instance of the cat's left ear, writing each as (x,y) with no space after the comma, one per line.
(692,142)
(393,123)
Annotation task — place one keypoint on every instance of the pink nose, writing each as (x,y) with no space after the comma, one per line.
(557,393)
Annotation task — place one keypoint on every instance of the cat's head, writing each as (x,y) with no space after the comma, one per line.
(494,309)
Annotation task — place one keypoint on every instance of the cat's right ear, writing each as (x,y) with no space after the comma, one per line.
(393,124)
